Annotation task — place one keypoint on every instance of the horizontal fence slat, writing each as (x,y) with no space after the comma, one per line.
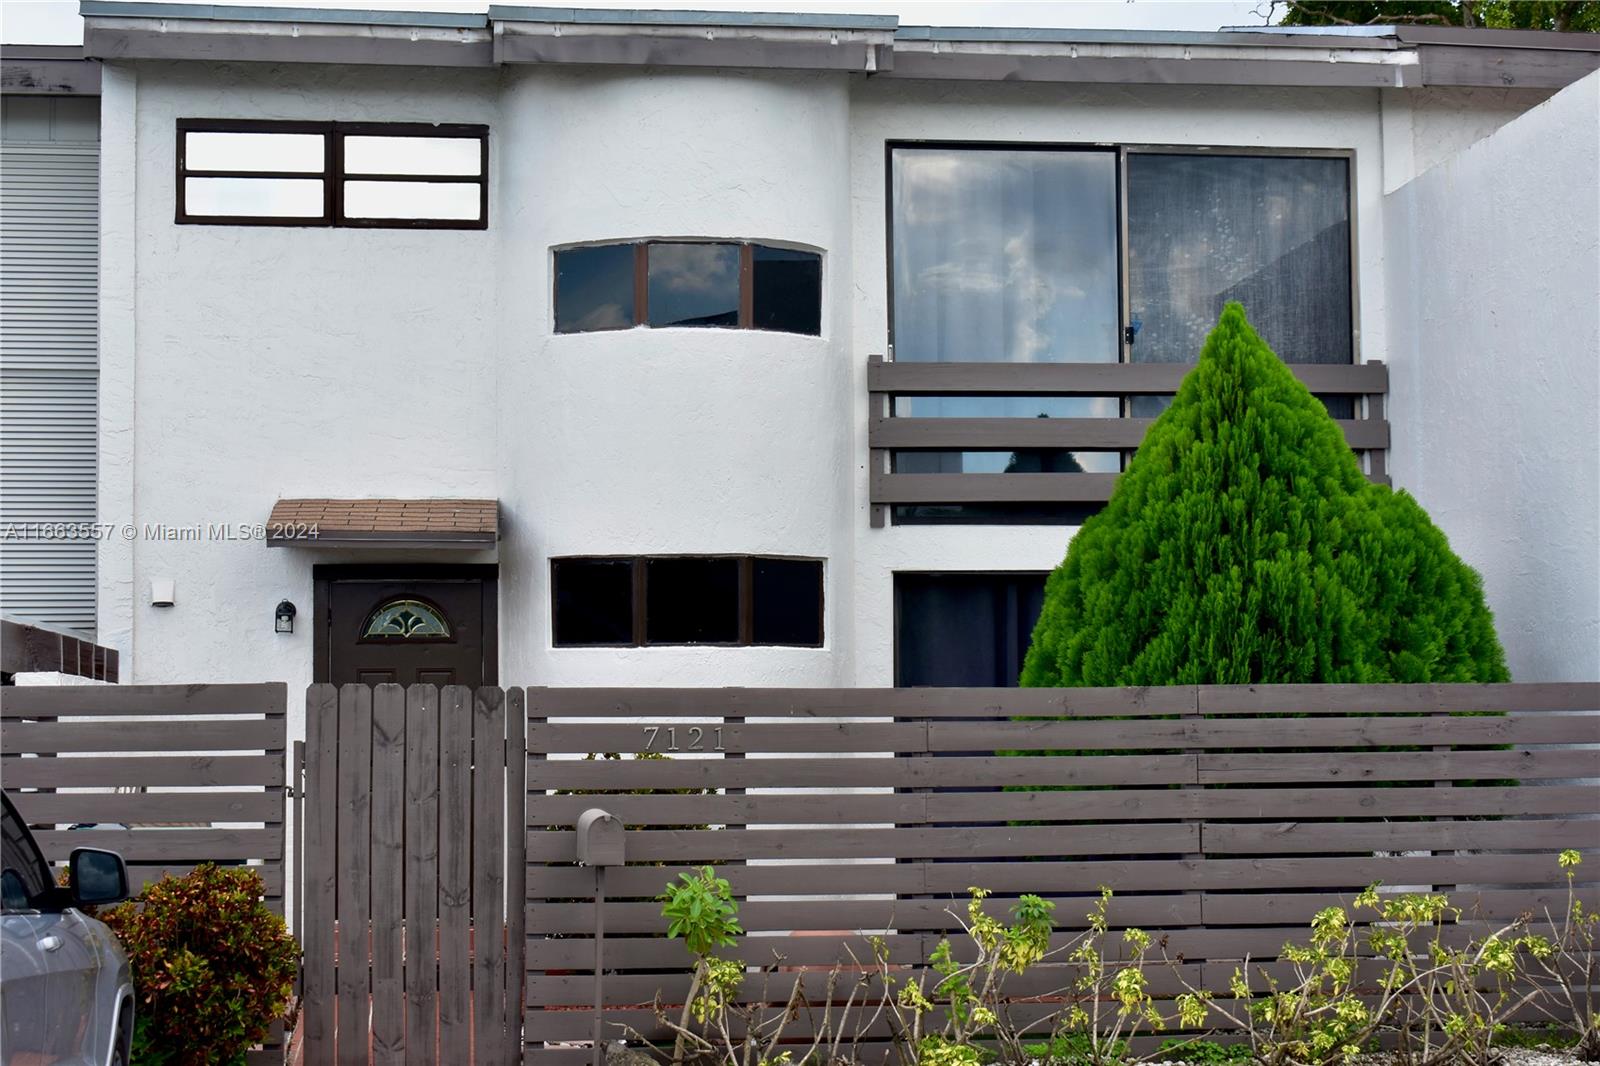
(1289,907)
(139,875)
(856,914)
(1231,943)
(1353,766)
(156,845)
(41,807)
(1219,838)
(786,703)
(142,770)
(1094,379)
(156,736)
(1398,699)
(576,952)
(1088,433)
(1055,805)
(726,845)
(991,488)
(986,771)
(1087,875)
(62,701)
(710,736)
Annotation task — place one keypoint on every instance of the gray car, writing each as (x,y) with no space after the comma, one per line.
(66,992)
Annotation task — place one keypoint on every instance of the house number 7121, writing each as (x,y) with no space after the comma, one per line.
(696,738)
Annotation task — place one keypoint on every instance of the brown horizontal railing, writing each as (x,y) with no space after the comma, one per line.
(1368,435)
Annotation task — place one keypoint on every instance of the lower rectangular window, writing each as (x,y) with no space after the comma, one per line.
(728,600)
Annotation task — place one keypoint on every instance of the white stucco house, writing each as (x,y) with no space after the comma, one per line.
(570,347)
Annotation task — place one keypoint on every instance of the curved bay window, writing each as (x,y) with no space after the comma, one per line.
(696,284)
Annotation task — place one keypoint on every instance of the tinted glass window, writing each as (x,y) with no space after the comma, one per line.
(788,290)
(693,284)
(1005,255)
(964,629)
(692,601)
(1270,232)
(23,878)
(593,601)
(788,601)
(594,288)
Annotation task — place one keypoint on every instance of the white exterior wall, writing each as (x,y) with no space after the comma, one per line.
(244,364)
(1494,297)
(262,362)
(664,441)
(1084,114)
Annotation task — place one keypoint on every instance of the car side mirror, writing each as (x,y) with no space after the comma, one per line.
(98,877)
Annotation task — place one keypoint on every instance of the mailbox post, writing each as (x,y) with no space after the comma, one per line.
(600,844)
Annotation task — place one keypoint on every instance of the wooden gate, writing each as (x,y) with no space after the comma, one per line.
(413,847)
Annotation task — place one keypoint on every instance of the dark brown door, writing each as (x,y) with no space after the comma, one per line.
(417,625)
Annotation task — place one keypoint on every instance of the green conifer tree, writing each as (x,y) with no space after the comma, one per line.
(1244,545)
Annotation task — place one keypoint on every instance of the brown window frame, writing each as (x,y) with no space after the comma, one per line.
(641,284)
(640,600)
(332,175)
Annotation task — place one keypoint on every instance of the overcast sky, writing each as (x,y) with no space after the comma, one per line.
(57,21)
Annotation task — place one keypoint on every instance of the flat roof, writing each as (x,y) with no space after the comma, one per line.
(877,45)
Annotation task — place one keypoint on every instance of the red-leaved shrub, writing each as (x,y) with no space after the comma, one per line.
(213,967)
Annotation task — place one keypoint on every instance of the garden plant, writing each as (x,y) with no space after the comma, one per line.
(1394,970)
(1244,545)
(213,966)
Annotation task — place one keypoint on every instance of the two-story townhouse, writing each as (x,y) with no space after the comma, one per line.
(572,347)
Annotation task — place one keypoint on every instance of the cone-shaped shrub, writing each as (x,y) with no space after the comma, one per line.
(1243,544)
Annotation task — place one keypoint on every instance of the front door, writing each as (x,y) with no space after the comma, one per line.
(430,625)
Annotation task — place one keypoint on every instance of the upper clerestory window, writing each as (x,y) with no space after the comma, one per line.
(729,285)
(365,174)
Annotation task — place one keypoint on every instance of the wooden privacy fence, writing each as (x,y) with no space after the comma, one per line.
(170,776)
(410,950)
(1223,818)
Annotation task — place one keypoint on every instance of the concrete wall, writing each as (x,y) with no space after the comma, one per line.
(259,362)
(894,110)
(672,440)
(1493,278)
(241,364)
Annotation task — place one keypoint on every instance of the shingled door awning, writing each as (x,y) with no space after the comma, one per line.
(384,523)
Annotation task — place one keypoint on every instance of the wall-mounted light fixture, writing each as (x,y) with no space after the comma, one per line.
(283,617)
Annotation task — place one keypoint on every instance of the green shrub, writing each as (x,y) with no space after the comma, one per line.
(1244,545)
(213,967)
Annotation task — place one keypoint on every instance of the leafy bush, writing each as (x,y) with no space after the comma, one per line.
(1441,1004)
(213,967)
(1408,978)
(1245,545)
(1569,974)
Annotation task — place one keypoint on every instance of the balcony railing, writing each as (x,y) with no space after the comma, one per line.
(1368,433)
